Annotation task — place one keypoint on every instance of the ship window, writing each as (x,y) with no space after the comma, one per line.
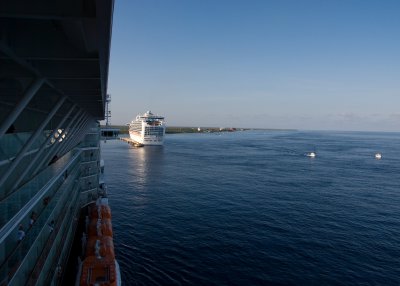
(154,130)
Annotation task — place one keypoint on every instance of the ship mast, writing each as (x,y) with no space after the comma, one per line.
(107,115)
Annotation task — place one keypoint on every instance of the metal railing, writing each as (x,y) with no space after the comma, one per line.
(27,253)
(17,202)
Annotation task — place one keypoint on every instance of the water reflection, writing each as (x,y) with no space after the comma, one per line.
(145,164)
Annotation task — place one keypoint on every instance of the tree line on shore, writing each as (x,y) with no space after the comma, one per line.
(123,129)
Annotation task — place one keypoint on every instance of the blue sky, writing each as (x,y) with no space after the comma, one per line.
(326,65)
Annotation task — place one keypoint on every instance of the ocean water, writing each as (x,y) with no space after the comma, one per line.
(248,208)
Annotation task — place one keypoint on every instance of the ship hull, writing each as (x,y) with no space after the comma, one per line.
(53,91)
(148,140)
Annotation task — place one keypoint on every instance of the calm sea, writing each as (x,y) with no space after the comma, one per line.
(248,208)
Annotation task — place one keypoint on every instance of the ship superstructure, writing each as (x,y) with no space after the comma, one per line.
(148,129)
(54,59)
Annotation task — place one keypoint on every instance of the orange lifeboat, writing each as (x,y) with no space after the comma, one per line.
(104,245)
(104,210)
(100,268)
(102,227)
(99,272)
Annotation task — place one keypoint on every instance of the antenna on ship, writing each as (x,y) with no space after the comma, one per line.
(107,116)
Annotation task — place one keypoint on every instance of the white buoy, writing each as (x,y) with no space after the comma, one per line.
(311,154)
(378,156)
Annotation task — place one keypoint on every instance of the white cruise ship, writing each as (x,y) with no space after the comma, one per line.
(147,129)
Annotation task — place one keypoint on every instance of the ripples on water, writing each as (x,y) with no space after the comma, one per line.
(248,208)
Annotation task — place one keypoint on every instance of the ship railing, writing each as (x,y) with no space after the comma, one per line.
(91,140)
(90,168)
(94,130)
(88,196)
(11,144)
(90,154)
(7,161)
(21,200)
(90,143)
(89,172)
(89,182)
(45,268)
(20,262)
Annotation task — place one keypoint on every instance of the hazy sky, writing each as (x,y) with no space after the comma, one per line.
(331,64)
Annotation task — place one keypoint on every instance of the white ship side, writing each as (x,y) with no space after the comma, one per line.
(148,129)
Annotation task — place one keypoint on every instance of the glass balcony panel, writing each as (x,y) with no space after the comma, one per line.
(37,236)
(14,202)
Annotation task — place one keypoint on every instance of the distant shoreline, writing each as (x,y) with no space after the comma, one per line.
(123,129)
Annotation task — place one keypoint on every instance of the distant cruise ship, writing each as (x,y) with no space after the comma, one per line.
(147,129)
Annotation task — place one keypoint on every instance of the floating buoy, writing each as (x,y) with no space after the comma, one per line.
(311,154)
